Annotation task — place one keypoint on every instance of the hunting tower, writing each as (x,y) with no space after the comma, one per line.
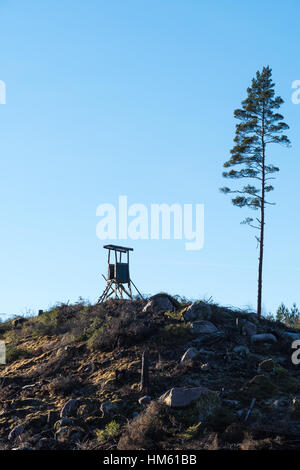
(117,274)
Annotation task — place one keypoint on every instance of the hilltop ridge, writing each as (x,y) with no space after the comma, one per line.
(73,378)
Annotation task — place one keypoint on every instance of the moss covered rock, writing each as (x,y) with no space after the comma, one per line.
(180,397)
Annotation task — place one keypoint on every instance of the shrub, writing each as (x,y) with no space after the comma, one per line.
(59,320)
(13,354)
(124,330)
(259,386)
(174,334)
(110,431)
(145,431)
(62,385)
(234,433)
(221,418)
(95,340)
(192,431)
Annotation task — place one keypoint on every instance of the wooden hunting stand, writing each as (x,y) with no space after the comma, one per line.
(117,274)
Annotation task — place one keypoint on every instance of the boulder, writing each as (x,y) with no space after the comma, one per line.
(69,434)
(63,422)
(248,316)
(69,409)
(189,354)
(180,397)
(248,328)
(207,339)
(16,432)
(159,302)
(289,336)
(145,400)
(88,407)
(263,338)
(203,327)
(107,407)
(198,311)
(242,350)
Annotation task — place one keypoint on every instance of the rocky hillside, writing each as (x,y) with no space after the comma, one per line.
(218,378)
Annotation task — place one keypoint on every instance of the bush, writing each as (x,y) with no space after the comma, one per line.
(59,320)
(174,334)
(13,354)
(62,386)
(95,340)
(110,431)
(145,431)
(124,330)
(221,418)
(47,323)
(192,431)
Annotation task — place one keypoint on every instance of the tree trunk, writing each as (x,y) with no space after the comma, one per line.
(262,223)
(260,267)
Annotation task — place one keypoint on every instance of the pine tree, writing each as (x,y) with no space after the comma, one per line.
(290,318)
(260,125)
(282,313)
(294,316)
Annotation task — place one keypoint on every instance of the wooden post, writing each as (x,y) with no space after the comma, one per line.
(145,384)
(108,261)
(250,409)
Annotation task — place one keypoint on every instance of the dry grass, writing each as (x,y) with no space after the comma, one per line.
(124,330)
(144,432)
(62,386)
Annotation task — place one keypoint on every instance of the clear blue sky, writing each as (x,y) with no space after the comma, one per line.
(136,98)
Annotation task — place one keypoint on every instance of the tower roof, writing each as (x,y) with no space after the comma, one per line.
(122,249)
